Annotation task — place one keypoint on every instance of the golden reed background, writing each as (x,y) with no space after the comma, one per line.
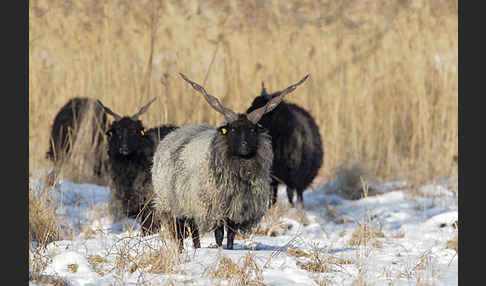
(383,85)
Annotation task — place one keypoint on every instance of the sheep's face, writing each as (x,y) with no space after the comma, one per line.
(241,136)
(124,136)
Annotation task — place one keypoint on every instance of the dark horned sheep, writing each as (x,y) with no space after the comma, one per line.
(130,152)
(296,142)
(212,177)
(66,126)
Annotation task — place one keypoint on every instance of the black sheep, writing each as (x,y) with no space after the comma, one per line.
(296,143)
(130,152)
(66,126)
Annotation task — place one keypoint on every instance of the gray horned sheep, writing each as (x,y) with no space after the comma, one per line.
(130,151)
(207,178)
(296,142)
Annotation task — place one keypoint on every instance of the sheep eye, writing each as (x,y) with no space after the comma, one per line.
(142,132)
(224,131)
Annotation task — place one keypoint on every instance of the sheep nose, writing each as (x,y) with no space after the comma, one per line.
(124,150)
(244,148)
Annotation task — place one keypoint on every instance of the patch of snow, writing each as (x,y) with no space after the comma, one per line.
(413,247)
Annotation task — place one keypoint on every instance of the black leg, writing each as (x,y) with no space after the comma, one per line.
(230,233)
(274,186)
(194,234)
(174,232)
(300,198)
(180,230)
(218,235)
(290,195)
(97,169)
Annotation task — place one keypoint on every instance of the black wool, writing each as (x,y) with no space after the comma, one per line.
(297,147)
(130,151)
(65,127)
(130,155)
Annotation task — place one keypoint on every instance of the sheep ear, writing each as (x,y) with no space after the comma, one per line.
(256,114)
(107,110)
(143,109)
(264,91)
(260,128)
(228,114)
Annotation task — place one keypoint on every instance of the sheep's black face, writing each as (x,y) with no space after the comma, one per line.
(242,137)
(124,136)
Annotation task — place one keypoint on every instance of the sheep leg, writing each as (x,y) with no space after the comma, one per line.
(194,234)
(230,234)
(97,169)
(290,195)
(300,198)
(274,186)
(218,235)
(180,232)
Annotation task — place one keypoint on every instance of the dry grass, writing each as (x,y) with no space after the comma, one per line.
(297,252)
(271,223)
(420,272)
(49,280)
(244,272)
(360,281)
(44,226)
(156,255)
(38,261)
(453,243)
(96,263)
(73,267)
(162,261)
(366,235)
(78,164)
(377,88)
(319,261)
(347,181)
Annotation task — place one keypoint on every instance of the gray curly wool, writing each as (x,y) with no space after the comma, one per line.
(210,178)
(194,176)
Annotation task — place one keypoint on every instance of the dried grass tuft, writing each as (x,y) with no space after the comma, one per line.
(245,272)
(44,227)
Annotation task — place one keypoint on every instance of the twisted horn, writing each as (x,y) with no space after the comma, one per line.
(228,114)
(107,110)
(257,114)
(143,109)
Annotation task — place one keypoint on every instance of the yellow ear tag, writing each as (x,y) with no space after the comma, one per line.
(142,132)
(224,131)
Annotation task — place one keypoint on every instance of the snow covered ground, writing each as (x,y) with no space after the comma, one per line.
(396,238)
